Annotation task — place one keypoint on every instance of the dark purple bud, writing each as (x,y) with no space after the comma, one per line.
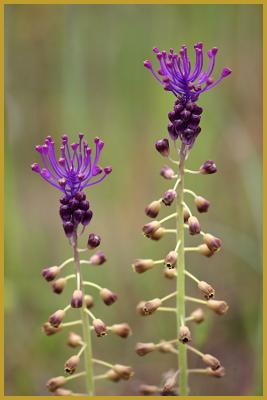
(36,167)
(202,204)
(74,203)
(56,318)
(68,229)
(163,147)
(168,197)
(84,205)
(87,216)
(194,226)
(107,296)
(226,71)
(195,119)
(172,132)
(190,106)
(178,124)
(65,212)
(78,216)
(208,167)
(80,196)
(178,108)
(50,273)
(77,299)
(108,170)
(171,116)
(185,114)
(93,241)
(197,109)
(64,200)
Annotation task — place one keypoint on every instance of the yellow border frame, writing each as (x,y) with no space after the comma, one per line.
(2,4)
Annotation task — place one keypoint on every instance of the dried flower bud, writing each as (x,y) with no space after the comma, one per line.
(63,392)
(208,167)
(186,214)
(212,242)
(144,348)
(113,376)
(220,307)
(169,197)
(218,373)
(153,209)
(71,364)
(140,308)
(99,327)
(123,330)
(206,289)
(107,296)
(142,265)
(205,251)
(123,371)
(88,301)
(150,228)
(148,390)
(56,318)
(167,172)
(170,384)
(202,204)
(98,258)
(55,383)
(93,241)
(193,225)
(211,361)
(168,392)
(184,334)
(50,273)
(158,234)
(49,330)
(165,347)
(170,273)
(171,259)
(163,147)
(77,299)
(74,340)
(198,315)
(59,285)
(151,306)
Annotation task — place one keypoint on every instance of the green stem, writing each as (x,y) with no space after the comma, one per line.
(182,351)
(89,376)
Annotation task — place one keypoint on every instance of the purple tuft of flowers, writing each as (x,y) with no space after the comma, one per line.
(177,76)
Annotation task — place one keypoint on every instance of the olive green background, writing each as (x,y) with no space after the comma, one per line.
(79,68)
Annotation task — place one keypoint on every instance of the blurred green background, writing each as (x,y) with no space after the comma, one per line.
(79,68)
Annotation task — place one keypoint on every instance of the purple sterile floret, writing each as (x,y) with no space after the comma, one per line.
(75,169)
(177,75)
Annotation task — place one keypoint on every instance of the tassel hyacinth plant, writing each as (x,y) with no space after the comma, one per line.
(176,75)
(75,170)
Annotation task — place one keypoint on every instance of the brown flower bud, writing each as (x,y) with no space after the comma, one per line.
(59,285)
(165,347)
(49,330)
(71,364)
(208,167)
(202,204)
(123,371)
(144,348)
(74,340)
(56,318)
(107,296)
(55,383)
(220,307)
(170,384)
(218,373)
(141,265)
(193,225)
(212,242)
(100,327)
(150,228)
(206,289)
(205,251)
(151,306)
(93,241)
(98,258)
(50,273)
(148,390)
(211,361)
(123,330)
(113,376)
(170,273)
(184,334)
(186,214)
(157,235)
(198,315)
(169,197)
(167,172)
(153,209)
(171,259)
(77,299)
(88,301)
(63,392)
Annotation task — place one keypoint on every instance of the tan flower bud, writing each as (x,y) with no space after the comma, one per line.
(59,285)
(170,384)
(107,296)
(212,242)
(49,330)
(153,209)
(205,251)
(151,306)
(186,214)
(171,259)
(218,306)
(125,372)
(88,301)
(144,348)
(170,273)
(74,340)
(71,364)
(202,204)
(98,258)
(206,289)
(50,273)
(148,390)
(140,308)
(198,315)
(77,299)
(142,265)
(63,392)
(211,361)
(56,318)
(151,227)
(167,172)
(100,327)
(184,334)
(193,225)
(113,376)
(165,347)
(218,373)
(55,383)
(123,330)
(158,234)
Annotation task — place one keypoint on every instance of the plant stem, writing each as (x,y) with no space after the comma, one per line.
(180,304)
(85,326)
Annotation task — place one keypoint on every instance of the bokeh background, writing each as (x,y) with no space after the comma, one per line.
(79,68)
